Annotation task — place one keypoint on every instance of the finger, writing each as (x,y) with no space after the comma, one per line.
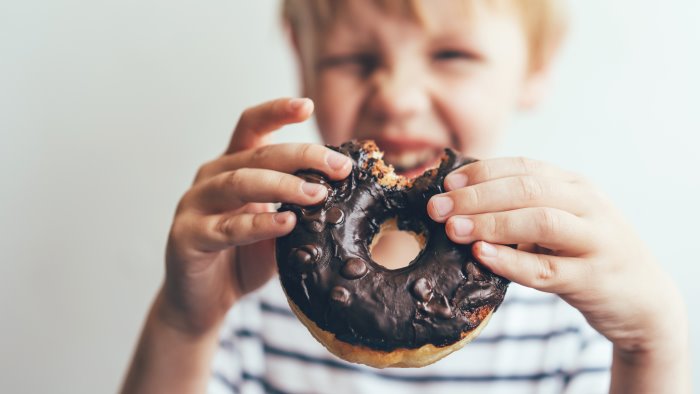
(233,189)
(510,193)
(551,228)
(256,122)
(553,274)
(486,170)
(287,158)
(218,232)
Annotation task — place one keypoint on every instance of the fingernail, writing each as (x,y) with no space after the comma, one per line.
(455,181)
(281,217)
(336,161)
(297,103)
(312,189)
(443,205)
(462,226)
(487,250)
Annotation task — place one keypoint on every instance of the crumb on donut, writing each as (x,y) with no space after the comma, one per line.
(384,173)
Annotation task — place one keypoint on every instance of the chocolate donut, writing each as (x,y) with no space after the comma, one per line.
(362,311)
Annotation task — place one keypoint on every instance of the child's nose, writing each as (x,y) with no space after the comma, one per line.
(398,94)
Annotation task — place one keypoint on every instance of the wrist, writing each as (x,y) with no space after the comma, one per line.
(183,323)
(663,341)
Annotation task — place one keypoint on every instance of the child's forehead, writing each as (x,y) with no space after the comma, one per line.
(366,22)
(429,15)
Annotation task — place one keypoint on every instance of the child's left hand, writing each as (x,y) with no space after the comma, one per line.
(571,241)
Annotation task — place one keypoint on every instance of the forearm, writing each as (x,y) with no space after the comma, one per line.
(661,369)
(168,360)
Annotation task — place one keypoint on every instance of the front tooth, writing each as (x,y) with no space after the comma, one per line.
(410,159)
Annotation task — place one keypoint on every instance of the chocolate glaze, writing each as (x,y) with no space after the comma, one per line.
(326,269)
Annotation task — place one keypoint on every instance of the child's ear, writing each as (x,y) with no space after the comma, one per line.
(535,87)
(538,78)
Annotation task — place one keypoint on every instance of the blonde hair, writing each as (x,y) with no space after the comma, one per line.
(544,21)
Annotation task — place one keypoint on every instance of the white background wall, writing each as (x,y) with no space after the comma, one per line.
(108,107)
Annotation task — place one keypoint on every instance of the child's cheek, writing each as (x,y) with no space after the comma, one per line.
(477,115)
(340,100)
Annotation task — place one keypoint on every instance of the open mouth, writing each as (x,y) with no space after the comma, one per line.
(411,163)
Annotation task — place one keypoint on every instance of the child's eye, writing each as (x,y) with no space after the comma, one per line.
(454,54)
(361,64)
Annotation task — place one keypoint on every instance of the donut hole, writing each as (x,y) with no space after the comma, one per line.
(393,248)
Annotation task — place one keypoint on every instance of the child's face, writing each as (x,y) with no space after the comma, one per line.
(417,88)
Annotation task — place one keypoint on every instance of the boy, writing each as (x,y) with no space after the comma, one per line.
(415,77)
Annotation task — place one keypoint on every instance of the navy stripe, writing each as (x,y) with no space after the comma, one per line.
(229,384)
(235,388)
(277,310)
(269,388)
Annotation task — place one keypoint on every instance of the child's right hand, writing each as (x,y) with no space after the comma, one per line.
(221,243)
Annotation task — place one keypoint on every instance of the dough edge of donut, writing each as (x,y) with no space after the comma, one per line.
(399,358)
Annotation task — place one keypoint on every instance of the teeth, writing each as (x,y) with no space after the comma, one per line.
(408,160)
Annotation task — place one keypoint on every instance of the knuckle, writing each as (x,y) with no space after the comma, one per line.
(178,229)
(478,171)
(490,227)
(548,222)
(530,188)
(202,172)
(258,223)
(306,153)
(472,196)
(529,166)
(261,154)
(546,271)
(577,177)
(183,203)
(285,184)
(232,179)
(227,227)
(247,117)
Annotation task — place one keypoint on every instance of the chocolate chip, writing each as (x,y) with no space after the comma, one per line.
(422,289)
(438,307)
(340,295)
(335,215)
(311,213)
(305,256)
(441,307)
(354,269)
(473,273)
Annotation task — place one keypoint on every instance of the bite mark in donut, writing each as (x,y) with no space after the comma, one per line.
(362,311)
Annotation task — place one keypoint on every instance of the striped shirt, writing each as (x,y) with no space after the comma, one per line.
(534,343)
